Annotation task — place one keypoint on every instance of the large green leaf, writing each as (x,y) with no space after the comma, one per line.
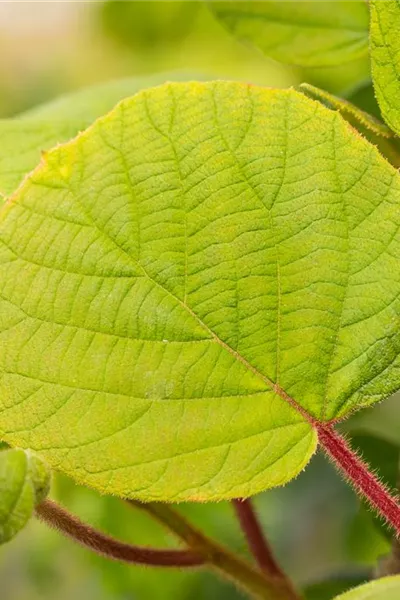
(385,49)
(387,588)
(307,33)
(45,126)
(24,483)
(189,283)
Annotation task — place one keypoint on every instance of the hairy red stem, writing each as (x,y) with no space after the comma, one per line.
(358,474)
(69,525)
(255,538)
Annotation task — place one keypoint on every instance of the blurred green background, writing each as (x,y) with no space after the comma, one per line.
(323,537)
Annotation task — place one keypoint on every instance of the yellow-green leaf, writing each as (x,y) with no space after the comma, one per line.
(190,283)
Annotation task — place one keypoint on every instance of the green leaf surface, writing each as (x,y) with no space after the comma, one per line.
(308,34)
(387,588)
(190,282)
(24,483)
(385,49)
(43,127)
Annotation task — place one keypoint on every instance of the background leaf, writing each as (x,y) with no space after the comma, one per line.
(326,590)
(24,483)
(136,292)
(308,34)
(387,588)
(143,24)
(384,458)
(385,48)
(383,421)
(87,104)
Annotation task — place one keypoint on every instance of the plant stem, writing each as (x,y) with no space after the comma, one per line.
(358,474)
(69,525)
(256,539)
(258,584)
